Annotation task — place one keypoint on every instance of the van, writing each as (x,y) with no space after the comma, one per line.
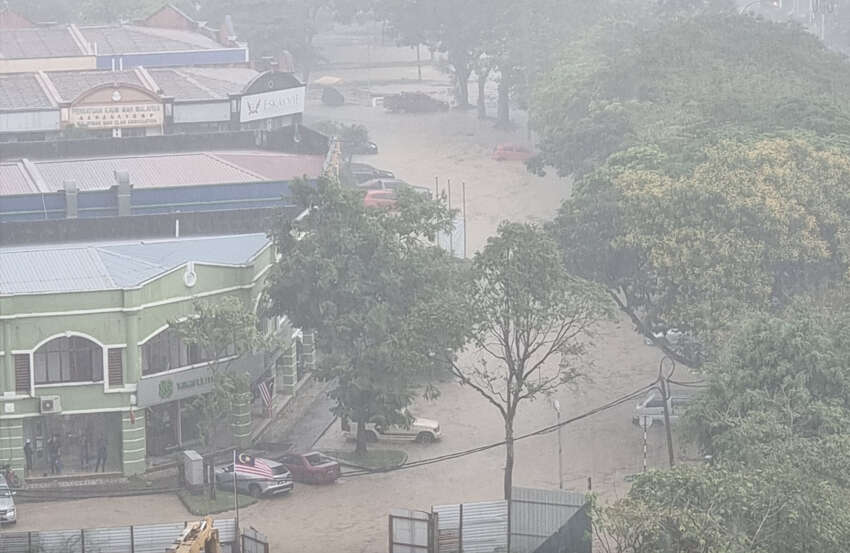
(651,409)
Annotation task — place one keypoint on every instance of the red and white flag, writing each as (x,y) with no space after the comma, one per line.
(265,393)
(246,464)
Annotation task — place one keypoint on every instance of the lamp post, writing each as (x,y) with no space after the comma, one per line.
(557,405)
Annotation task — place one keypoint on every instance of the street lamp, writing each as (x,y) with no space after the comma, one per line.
(557,406)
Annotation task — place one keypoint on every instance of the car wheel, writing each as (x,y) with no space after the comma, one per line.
(255,491)
(425,438)
(371,437)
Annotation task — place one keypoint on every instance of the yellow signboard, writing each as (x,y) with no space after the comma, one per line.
(117,116)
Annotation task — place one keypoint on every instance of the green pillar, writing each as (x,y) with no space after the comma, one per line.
(133,443)
(288,371)
(241,420)
(133,371)
(12,444)
(8,363)
(309,351)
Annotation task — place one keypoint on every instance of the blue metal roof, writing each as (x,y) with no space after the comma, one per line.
(115,265)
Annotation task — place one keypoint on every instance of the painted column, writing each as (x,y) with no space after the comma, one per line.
(133,442)
(287,370)
(12,444)
(241,420)
(8,359)
(309,351)
(133,372)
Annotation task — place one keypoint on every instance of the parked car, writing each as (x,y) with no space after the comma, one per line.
(380,198)
(8,513)
(362,172)
(361,148)
(413,102)
(382,184)
(311,468)
(512,152)
(419,430)
(651,409)
(255,484)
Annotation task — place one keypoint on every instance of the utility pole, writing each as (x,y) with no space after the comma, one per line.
(665,396)
(557,405)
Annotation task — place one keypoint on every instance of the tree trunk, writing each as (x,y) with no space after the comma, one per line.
(361,436)
(481,102)
(509,470)
(418,64)
(503,117)
(462,87)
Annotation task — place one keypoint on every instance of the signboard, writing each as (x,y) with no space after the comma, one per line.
(276,103)
(191,382)
(117,115)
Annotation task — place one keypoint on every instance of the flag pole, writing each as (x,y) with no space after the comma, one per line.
(235,494)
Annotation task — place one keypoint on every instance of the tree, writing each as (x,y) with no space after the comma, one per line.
(754,226)
(526,312)
(683,85)
(380,296)
(222,331)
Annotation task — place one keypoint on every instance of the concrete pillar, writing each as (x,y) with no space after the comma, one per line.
(122,179)
(133,370)
(133,443)
(12,444)
(70,199)
(241,420)
(8,358)
(287,375)
(309,352)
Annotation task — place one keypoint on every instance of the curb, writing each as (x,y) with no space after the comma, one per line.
(343,463)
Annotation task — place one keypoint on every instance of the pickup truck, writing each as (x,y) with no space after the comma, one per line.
(651,409)
(419,430)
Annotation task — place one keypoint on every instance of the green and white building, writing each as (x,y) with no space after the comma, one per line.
(87,353)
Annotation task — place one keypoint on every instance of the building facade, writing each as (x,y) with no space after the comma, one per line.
(88,355)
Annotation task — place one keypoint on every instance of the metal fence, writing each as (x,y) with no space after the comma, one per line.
(536,515)
(150,538)
(472,527)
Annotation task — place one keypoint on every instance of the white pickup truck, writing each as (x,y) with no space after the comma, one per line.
(420,430)
(651,409)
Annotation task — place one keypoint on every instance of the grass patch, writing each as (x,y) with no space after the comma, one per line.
(373,459)
(200,504)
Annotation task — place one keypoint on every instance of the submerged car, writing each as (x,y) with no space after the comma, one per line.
(312,467)
(419,430)
(362,172)
(8,513)
(255,484)
(651,409)
(512,152)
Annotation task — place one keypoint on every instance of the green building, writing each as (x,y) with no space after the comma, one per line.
(88,357)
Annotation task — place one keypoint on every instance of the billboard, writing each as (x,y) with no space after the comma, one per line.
(275,103)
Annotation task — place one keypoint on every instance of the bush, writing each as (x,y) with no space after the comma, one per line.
(413,102)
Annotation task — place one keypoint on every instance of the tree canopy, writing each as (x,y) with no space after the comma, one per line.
(382,298)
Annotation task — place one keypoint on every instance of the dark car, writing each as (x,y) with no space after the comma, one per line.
(382,184)
(360,148)
(362,172)
(311,468)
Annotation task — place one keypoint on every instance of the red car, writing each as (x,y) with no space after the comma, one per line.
(512,152)
(312,468)
(379,198)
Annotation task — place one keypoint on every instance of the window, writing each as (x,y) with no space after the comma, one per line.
(167,351)
(68,359)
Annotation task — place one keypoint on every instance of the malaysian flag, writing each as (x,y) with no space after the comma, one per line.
(247,464)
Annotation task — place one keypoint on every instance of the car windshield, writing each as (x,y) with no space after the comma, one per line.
(280,470)
(5,492)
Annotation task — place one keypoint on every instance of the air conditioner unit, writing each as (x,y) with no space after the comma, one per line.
(50,404)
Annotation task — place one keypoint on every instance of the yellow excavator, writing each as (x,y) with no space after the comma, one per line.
(198,537)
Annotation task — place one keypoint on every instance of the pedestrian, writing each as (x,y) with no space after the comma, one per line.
(84,452)
(57,459)
(51,454)
(101,456)
(28,454)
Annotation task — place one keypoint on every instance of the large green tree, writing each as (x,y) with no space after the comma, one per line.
(753,226)
(381,297)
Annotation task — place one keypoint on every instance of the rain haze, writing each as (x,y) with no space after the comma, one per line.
(424,276)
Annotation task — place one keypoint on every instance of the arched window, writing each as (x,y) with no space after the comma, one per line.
(68,359)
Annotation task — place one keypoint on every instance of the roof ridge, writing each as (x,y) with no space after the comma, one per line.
(192,80)
(104,249)
(101,265)
(235,166)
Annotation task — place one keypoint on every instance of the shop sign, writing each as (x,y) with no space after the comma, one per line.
(276,103)
(180,385)
(117,115)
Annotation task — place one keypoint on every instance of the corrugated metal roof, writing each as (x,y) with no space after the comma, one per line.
(115,265)
(15,180)
(127,39)
(276,166)
(152,171)
(71,84)
(22,91)
(175,83)
(39,42)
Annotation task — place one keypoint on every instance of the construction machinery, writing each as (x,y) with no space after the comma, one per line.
(198,537)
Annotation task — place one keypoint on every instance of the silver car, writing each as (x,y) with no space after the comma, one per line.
(8,513)
(281,481)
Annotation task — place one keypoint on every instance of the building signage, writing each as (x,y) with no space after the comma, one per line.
(276,103)
(118,115)
(191,382)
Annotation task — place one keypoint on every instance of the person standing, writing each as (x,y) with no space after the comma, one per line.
(84,452)
(101,456)
(28,455)
(51,454)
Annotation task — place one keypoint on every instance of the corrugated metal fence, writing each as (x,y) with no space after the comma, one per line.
(150,538)
(536,516)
